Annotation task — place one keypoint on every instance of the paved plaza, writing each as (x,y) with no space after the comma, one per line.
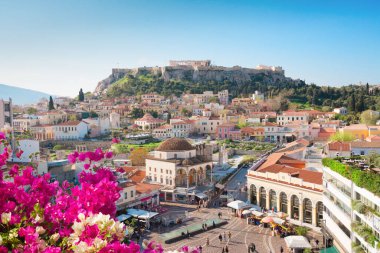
(242,233)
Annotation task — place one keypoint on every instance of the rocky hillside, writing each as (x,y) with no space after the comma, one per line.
(177,79)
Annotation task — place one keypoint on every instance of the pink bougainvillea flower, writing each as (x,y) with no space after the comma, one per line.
(109,155)
(86,166)
(19,153)
(115,140)
(2,136)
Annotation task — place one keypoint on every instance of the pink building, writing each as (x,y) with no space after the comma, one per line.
(228,131)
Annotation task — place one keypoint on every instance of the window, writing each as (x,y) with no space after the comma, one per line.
(125,195)
(155,179)
(162,171)
(155,169)
(131,194)
(150,168)
(161,180)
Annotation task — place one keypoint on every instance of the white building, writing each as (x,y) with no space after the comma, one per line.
(341,110)
(114,120)
(5,113)
(24,123)
(351,213)
(283,184)
(148,122)
(70,130)
(178,164)
(292,117)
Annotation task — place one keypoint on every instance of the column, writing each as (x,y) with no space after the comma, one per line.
(267,204)
(278,202)
(187,181)
(290,208)
(257,196)
(196,178)
(314,216)
(301,211)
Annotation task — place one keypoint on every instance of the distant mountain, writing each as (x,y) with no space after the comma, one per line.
(21,96)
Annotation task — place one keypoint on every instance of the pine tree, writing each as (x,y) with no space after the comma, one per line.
(51,104)
(81,95)
(367,88)
(360,105)
(352,103)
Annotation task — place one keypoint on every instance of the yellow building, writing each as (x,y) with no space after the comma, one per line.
(359,131)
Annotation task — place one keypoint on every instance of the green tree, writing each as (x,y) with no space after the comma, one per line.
(51,104)
(369,117)
(137,113)
(31,110)
(352,103)
(81,95)
(341,137)
(360,104)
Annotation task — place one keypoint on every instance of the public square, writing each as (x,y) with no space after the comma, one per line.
(242,233)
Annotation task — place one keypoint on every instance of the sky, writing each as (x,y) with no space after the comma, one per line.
(61,46)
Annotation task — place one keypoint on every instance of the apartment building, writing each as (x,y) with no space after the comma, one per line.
(292,117)
(5,113)
(351,214)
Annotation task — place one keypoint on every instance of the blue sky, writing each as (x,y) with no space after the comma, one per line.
(60,46)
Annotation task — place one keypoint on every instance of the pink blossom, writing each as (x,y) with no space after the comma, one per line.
(2,136)
(109,155)
(19,153)
(86,166)
(115,140)
(71,158)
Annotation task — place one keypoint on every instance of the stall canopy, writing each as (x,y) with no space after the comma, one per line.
(141,214)
(123,217)
(278,220)
(246,212)
(238,205)
(257,213)
(297,242)
(255,208)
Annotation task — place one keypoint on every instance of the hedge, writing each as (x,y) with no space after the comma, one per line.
(365,179)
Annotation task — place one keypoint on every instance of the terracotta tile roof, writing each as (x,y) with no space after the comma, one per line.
(339,146)
(309,177)
(365,144)
(356,127)
(138,177)
(314,177)
(146,188)
(373,138)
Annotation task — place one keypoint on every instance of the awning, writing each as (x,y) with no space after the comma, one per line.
(123,217)
(237,204)
(257,213)
(297,242)
(141,214)
(201,195)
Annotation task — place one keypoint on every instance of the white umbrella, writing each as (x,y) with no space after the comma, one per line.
(246,212)
(257,213)
(237,204)
(297,242)
(278,220)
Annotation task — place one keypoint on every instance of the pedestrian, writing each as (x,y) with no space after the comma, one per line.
(213,224)
(207,242)
(220,238)
(223,250)
(226,248)
(206,226)
(229,235)
(188,234)
(317,242)
(200,248)
(282,249)
(224,236)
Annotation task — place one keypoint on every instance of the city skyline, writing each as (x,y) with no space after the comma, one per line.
(60,47)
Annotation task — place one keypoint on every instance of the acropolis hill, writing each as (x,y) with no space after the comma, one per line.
(197,71)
